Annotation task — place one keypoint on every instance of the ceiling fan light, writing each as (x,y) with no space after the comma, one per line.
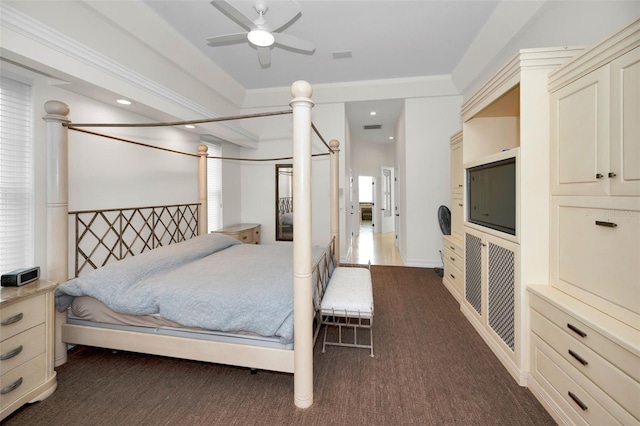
(261,38)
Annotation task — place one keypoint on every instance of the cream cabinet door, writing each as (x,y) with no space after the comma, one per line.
(457,172)
(625,124)
(580,136)
(457,216)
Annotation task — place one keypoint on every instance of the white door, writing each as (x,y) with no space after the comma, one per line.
(396,210)
(386,200)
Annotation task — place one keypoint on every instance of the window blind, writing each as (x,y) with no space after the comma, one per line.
(214,187)
(16,176)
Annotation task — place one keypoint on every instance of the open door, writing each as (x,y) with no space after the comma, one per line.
(387,217)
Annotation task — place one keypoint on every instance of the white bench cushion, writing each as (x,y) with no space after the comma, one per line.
(349,293)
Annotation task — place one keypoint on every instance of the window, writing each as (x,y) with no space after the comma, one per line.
(214,186)
(16,176)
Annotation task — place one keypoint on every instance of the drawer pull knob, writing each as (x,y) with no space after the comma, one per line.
(11,353)
(599,176)
(13,386)
(611,175)
(576,330)
(244,237)
(578,401)
(452,258)
(453,276)
(452,247)
(607,224)
(578,357)
(12,319)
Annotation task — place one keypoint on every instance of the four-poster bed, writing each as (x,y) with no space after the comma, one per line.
(307,266)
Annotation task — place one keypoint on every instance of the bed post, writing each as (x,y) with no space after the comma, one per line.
(203,215)
(57,231)
(335,199)
(302,287)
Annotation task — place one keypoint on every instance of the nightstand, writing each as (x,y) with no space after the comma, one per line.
(248,233)
(26,345)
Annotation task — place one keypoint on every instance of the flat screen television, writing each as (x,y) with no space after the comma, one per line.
(491,195)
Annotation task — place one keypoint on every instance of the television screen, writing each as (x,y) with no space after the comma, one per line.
(492,195)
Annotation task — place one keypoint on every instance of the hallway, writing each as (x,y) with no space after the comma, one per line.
(377,248)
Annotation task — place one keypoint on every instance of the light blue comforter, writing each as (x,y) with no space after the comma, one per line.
(211,281)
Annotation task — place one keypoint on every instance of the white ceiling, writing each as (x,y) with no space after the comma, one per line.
(387,40)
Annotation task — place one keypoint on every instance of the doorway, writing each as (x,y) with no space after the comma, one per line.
(366,203)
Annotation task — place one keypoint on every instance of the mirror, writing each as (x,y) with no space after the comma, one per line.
(284,202)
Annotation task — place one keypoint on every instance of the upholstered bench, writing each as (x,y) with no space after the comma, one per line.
(348,302)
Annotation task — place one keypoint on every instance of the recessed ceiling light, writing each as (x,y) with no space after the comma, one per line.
(372,113)
(189,126)
(390,138)
(124,102)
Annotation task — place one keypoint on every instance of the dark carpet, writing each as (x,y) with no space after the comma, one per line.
(430,368)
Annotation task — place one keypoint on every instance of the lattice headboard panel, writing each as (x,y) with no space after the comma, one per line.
(103,236)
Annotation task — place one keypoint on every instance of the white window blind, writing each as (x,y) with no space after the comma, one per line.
(16,176)
(214,186)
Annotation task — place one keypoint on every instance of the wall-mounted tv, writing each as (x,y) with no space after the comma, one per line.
(491,195)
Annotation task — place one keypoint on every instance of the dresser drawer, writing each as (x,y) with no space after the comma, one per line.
(586,402)
(20,316)
(453,257)
(606,348)
(22,380)
(454,275)
(622,388)
(455,246)
(21,348)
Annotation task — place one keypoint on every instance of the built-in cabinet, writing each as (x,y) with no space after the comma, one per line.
(585,324)
(26,345)
(509,117)
(598,155)
(453,244)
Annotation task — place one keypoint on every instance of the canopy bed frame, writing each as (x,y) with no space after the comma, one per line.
(298,360)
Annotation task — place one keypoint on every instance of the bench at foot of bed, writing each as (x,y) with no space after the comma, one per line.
(348,303)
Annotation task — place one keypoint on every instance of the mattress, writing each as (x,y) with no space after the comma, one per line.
(89,312)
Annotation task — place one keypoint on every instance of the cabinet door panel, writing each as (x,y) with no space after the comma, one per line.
(580,136)
(602,260)
(625,124)
(457,172)
(473,272)
(457,217)
(501,287)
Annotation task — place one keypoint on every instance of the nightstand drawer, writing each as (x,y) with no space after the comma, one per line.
(247,237)
(619,386)
(21,348)
(20,316)
(22,380)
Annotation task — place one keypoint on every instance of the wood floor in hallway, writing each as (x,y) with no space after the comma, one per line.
(377,248)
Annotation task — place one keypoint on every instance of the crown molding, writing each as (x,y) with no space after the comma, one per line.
(36,31)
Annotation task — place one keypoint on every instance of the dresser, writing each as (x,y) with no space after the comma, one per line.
(247,233)
(453,254)
(26,345)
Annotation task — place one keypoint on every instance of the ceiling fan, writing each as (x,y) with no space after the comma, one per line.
(262,33)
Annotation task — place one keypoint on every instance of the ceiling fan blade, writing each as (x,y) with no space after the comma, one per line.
(278,17)
(264,56)
(227,39)
(294,42)
(229,10)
